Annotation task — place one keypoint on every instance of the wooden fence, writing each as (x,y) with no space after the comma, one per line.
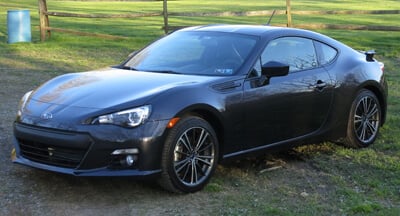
(45,29)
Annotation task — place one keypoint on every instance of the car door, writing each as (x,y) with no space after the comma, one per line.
(290,106)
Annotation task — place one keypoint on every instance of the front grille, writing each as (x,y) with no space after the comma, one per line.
(51,154)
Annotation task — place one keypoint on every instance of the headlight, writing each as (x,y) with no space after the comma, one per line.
(22,103)
(127,118)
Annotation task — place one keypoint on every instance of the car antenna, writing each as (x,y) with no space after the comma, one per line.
(270,18)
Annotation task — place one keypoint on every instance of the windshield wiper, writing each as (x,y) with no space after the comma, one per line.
(127,68)
(155,71)
(165,71)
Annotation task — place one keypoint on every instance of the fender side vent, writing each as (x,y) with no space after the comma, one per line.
(227,86)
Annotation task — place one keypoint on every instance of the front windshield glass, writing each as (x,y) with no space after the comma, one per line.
(201,53)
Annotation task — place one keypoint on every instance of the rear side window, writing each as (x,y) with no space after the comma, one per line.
(326,53)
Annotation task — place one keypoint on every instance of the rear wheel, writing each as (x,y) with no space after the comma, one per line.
(190,156)
(364,120)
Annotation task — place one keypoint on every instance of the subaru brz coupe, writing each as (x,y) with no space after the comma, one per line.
(176,108)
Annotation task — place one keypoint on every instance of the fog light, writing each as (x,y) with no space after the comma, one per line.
(124,157)
(130,160)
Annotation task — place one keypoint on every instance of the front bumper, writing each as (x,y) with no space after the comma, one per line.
(88,152)
(104,171)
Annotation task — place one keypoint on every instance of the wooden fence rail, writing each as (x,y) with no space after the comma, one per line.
(346,12)
(132,15)
(45,29)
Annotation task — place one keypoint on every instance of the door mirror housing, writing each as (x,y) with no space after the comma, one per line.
(272,69)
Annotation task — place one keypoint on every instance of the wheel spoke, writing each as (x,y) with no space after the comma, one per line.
(201,171)
(206,147)
(186,142)
(182,153)
(357,118)
(186,173)
(363,131)
(194,177)
(359,126)
(372,127)
(373,111)
(202,139)
(205,159)
(365,104)
(181,164)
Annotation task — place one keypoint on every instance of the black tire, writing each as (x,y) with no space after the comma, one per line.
(364,120)
(190,156)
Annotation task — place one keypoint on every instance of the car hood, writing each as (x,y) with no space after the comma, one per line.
(108,88)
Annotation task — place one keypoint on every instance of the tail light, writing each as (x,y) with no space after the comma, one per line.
(382,66)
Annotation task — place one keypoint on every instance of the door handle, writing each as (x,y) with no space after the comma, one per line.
(320,85)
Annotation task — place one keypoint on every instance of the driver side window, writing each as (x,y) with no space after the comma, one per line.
(299,53)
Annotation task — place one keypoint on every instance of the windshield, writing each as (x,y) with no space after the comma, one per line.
(200,53)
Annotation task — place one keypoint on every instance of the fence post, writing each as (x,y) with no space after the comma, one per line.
(165,13)
(288,13)
(44,20)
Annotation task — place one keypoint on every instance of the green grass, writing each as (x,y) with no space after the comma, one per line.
(143,30)
(324,179)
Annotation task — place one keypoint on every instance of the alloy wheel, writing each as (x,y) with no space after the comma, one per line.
(366,119)
(194,155)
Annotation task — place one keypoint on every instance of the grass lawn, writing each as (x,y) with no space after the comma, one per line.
(316,179)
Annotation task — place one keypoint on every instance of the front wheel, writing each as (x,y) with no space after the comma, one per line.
(190,156)
(364,120)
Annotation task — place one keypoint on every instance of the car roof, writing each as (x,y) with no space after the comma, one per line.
(256,30)
(266,31)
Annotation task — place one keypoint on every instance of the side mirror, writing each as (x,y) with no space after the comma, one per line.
(272,69)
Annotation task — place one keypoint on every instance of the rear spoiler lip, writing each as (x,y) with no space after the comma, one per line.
(370,55)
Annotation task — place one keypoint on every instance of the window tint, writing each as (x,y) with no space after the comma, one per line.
(298,53)
(326,53)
